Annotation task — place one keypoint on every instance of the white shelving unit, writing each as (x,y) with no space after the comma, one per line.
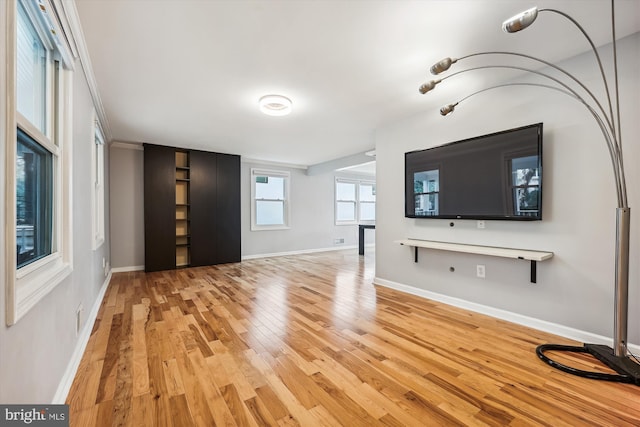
(524,254)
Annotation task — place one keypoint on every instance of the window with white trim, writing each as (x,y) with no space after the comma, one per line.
(355,201)
(97,188)
(367,201)
(269,199)
(38,194)
(346,201)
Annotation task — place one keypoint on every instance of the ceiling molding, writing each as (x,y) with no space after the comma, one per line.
(70,12)
(127,145)
(270,163)
(341,163)
(365,169)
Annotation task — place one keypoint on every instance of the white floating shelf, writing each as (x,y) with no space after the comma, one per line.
(513,253)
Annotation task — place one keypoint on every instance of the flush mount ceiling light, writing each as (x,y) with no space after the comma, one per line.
(275,105)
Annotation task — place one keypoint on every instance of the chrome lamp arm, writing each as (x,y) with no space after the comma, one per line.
(446,63)
(595,51)
(525,19)
(607,131)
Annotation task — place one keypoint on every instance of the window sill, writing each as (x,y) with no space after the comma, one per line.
(267,228)
(35,285)
(98,243)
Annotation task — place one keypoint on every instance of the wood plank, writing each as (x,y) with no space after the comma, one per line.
(139,343)
(142,411)
(307,340)
(236,406)
(260,412)
(122,400)
(180,412)
(172,378)
(196,395)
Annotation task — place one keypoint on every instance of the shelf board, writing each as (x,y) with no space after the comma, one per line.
(529,255)
(182,180)
(478,249)
(182,168)
(183,204)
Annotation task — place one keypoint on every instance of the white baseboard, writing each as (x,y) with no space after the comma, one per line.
(541,325)
(125,269)
(81,344)
(300,252)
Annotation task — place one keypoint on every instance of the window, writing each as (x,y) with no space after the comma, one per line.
(269,199)
(34,202)
(39,251)
(97,188)
(346,201)
(32,72)
(367,200)
(355,201)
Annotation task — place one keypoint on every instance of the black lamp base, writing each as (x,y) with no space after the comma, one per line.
(628,371)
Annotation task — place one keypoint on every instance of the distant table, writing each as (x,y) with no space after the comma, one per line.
(361,229)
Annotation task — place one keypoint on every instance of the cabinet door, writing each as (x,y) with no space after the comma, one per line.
(159,208)
(228,201)
(204,209)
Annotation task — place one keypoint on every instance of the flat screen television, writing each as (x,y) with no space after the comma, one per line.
(495,176)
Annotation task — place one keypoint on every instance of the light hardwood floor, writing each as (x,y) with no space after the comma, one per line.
(308,340)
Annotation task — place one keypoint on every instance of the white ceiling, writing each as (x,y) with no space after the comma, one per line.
(189,73)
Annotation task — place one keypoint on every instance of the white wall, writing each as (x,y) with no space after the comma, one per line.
(576,287)
(127,205)
(312,224)
(35,351)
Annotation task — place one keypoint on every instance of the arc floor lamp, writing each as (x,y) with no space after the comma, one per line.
(618,357)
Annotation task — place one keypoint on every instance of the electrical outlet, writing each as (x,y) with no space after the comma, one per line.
(338,241)
(480,224)
(480,271)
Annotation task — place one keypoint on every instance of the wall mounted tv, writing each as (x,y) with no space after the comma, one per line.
(495,176)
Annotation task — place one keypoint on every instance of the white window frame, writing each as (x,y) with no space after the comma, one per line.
(353,182)
(357,201)
(362,202)
(29,284)
(286,202)
(97,183)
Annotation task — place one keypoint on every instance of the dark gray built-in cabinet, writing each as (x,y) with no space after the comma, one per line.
(191,208)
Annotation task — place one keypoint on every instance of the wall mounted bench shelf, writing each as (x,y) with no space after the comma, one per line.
(533,256)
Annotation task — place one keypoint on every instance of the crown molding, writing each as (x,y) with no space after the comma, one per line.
(127,145)
(341,163)
(272,163)
(70,12)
